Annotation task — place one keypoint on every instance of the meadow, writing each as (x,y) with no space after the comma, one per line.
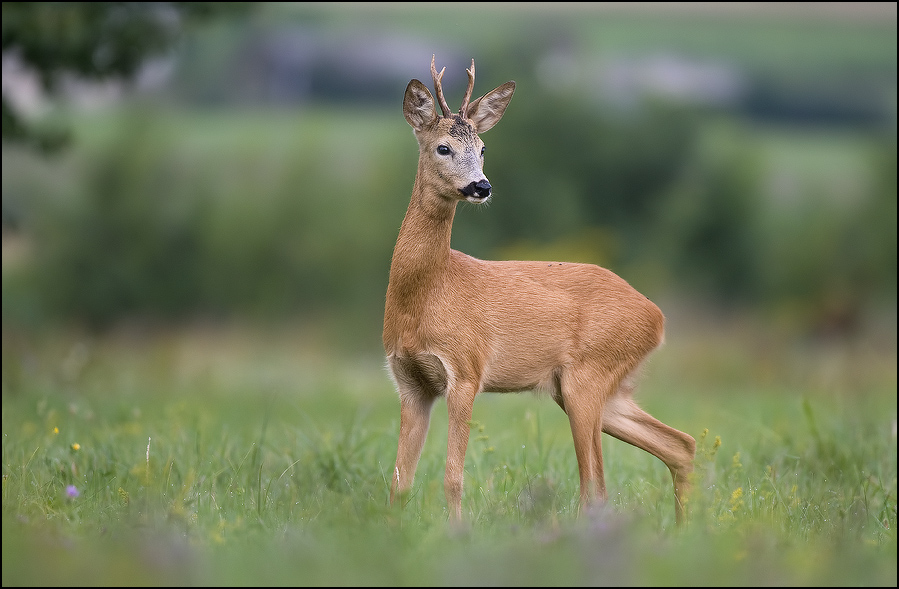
(250,455)
(226,444)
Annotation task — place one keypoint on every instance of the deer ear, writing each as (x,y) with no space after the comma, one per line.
(418,106)
(487,110)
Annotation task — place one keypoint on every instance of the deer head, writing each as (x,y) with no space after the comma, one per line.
(451,154)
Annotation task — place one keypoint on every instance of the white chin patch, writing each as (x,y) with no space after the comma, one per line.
(477,199)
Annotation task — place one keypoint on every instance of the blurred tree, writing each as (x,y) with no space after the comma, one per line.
(90,40)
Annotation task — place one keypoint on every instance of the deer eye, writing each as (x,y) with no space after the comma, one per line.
(444,150)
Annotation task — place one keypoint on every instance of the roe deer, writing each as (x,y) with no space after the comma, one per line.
(455,326)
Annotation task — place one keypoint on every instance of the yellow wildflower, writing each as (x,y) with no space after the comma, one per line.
(736,499)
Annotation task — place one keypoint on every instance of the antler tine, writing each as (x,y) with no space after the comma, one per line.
(438,88)
(467,96)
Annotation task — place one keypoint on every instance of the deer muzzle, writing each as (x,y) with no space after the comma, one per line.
(477,191)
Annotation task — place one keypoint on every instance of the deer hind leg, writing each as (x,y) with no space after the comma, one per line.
(624,420)
(581,395)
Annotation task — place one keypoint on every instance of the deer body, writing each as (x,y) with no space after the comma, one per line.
(455,326)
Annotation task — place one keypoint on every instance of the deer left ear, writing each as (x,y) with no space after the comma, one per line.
(487,110)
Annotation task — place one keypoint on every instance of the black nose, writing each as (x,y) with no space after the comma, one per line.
(480,188)
(483,188)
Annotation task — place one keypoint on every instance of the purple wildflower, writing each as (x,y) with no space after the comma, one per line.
(72,491)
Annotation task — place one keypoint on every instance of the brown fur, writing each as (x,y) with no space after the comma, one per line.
(455,326)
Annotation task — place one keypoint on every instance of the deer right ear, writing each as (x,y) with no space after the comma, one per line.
(418,106)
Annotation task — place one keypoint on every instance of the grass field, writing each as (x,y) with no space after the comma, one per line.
(248,455)
(238,456)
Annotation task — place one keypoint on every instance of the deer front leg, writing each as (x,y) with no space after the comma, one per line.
(459,403)
(415,417)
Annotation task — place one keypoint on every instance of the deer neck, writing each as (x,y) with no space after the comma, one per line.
(422,251)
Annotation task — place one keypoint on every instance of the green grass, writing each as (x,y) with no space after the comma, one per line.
(237,456)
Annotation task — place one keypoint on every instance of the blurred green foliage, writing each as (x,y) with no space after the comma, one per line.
(167,212)
(91,40)
(259,221)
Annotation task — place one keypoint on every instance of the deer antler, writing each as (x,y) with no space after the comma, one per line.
(467,96)
(439,89)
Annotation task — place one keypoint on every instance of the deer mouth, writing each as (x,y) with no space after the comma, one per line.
(477,191)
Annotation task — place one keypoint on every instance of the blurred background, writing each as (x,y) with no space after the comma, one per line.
(211,163)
